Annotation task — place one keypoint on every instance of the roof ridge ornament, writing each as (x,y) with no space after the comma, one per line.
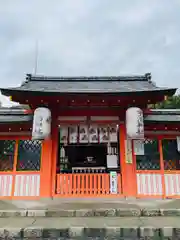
(28,77)
(148,77)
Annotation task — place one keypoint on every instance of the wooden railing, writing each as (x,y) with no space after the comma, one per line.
(93,184)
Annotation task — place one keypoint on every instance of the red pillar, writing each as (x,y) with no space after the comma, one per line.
(128,170)
(48,162)
(54,156)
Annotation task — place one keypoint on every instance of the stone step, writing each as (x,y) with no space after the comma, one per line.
(104,212)
(90,228)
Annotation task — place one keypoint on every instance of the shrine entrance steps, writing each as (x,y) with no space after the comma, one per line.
(91,223)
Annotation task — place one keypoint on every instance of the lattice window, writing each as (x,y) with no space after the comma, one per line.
(29,155)
(151,158)
(171,155)
(7,149)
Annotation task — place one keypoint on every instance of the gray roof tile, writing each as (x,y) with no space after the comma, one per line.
(120,86)
(15,119)
(162,118)
(87,84)
(13,115)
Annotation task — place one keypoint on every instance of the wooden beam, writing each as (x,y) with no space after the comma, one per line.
(138,99)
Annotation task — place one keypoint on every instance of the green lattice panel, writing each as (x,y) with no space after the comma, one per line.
(29,155)
(7,149)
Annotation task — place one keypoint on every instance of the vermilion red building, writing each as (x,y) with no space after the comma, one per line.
(87,153)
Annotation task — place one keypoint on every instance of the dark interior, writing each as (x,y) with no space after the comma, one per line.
(85,155)
(78,155)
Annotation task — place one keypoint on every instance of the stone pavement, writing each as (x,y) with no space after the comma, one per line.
(90,203)
(90,213)
(90,208)
(108,218)
(54,228)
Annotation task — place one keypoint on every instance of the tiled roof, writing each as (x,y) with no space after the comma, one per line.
(162,118)
(162,115)
(12,111)
(113,84)
(15,119)
(11,115)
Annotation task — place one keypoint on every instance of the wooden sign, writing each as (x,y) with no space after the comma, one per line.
(103,134)
(83,134)
(113,133)
(63,134)
(128,146)
(112,161)
(138,147)
(93,134)
(73,134)
(113,183)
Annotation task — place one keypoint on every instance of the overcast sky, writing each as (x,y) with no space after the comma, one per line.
(90,37)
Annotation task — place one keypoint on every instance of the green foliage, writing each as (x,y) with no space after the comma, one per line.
(171,103)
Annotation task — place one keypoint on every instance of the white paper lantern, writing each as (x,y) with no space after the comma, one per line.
(134,123)
(41,124)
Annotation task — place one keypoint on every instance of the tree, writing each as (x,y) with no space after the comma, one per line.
(171,103)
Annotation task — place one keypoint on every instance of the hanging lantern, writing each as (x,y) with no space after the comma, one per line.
(134,123)
(41,124)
